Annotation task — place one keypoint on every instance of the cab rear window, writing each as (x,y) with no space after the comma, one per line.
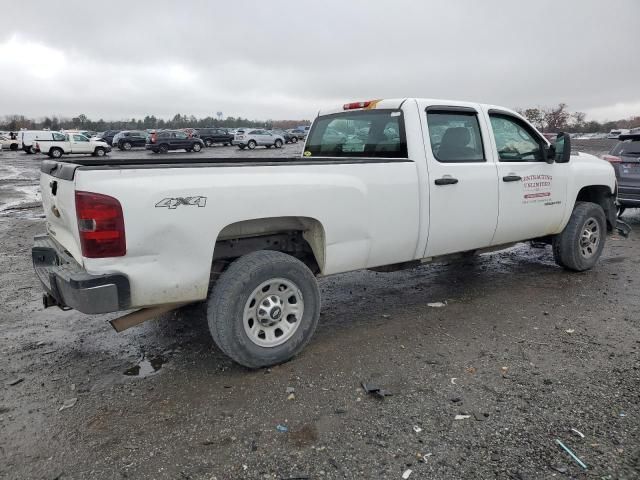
(374,133)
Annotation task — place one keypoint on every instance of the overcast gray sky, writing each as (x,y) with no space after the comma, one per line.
(286,59)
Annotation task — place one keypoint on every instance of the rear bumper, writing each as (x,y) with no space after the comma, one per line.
(70,285)
(629,196)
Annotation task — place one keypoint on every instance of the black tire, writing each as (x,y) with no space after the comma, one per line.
(227,144)
(620,210)
(277,143)
(294,140)
(569,248)
(13,147)
(164,148)
(241,147)
(126,146)
(55,152)
(32,149)
(268,146)
(251,144)
(196,147)
(208,142)
(99,152)
(231,293)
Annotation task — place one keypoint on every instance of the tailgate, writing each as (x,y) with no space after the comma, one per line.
(58,201)
(629,170)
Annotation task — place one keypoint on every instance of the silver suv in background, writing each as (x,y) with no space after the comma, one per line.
(625,158)
(253,137)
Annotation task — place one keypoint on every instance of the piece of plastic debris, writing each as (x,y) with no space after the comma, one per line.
(290,390)
(15,381)
(573,455)
(407,474)
(453,380)
(437,304)
(292,396)
(245,467)
(622,414)
(461,417)
(569,330)
(417,429)
(68,404)
(580,434)
(282,428)
(373,389)
(40,343)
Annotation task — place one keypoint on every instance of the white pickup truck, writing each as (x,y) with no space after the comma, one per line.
(57,144)
(385,184)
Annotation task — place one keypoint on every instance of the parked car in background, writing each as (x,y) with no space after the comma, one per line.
(615,133)
(129,139)
(58,144)
(191,132)
(9,144)
(108,136)
(299,134)
(252,138)
(288,137)
(625,159)
(210,136)
(165,140)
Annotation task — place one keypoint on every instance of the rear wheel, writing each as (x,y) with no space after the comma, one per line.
(264,308)
(197,147)
(294,140)
(251,144)
(278,143)
(580,244)
(56,152)
(32,149)
(126,146)
(13,147)
(164,148)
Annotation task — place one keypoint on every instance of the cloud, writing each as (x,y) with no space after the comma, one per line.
(285,59)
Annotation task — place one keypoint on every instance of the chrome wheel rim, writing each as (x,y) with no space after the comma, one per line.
(590,238)
(273,312)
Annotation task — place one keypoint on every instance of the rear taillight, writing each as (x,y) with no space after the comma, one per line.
(612,158)
(101,225)
(153,138)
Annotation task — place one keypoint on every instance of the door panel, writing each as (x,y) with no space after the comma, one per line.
(532,192)
(80,144)
(463,190)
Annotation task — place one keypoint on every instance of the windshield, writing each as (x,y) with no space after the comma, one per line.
(376,133)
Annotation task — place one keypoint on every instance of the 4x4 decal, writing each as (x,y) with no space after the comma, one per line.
(172,203)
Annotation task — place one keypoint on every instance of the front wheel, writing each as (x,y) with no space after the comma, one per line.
(196,147)
(580,244)
(264,308)
(252,144)
(100,152)
(55,153)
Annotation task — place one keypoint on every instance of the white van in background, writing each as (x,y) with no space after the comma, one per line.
(616,132)
(28,139)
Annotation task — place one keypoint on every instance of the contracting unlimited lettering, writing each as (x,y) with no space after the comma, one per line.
(534,182)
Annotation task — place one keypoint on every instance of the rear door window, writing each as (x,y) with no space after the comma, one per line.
(455,136)
(375,133)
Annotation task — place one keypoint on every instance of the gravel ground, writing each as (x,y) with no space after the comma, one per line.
(527,350)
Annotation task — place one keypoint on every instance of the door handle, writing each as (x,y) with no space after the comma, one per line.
(511,178)
(446,181)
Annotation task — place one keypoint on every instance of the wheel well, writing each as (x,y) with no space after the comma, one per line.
(301,237)
(602,195)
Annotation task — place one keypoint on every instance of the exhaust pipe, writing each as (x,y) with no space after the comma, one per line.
(136,318)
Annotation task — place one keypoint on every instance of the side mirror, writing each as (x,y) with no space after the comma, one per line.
(562,148)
